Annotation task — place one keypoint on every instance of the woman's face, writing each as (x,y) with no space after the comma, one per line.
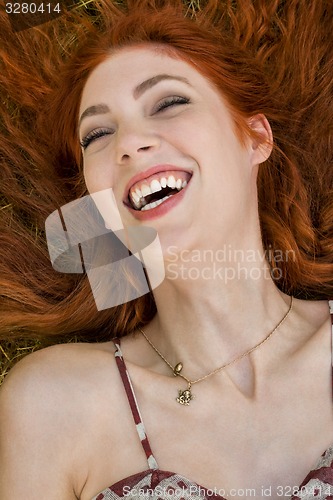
(152,129)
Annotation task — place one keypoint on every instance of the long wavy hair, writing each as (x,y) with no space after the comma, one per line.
(264,56)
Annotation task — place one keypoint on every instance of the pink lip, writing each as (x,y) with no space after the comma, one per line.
(148,173)
(161,209)
(164,207)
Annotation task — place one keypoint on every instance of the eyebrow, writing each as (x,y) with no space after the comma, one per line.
(101,109)
(98,109)
(148,84)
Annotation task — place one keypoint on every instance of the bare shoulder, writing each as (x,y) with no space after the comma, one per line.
(63,381)
(307,340)
(57,371)
(311,315)
(315,310)
(47,403)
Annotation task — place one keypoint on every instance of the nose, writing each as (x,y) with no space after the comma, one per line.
(134,141)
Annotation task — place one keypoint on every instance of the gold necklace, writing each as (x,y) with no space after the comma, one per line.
(185,396)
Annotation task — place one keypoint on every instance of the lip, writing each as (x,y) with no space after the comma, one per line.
(161,209)
(164,207)
(147,173)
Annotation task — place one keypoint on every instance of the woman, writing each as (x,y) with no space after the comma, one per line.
(147,101)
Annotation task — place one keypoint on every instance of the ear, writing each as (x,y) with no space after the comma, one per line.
(261,145)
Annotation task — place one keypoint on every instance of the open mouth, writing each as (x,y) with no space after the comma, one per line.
(156,189)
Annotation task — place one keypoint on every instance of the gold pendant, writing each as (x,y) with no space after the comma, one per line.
(184,397)
(177,369)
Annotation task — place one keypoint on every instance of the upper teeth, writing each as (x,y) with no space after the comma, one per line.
(155,186)
(137,195)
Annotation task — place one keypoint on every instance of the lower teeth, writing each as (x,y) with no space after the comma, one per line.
(154,204)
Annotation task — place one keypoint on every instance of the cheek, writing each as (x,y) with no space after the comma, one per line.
(207,132)
(97,176)
(183,131)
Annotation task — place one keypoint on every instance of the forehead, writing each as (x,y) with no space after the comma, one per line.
(128,67)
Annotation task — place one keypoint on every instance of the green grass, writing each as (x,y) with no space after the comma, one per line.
(12,351)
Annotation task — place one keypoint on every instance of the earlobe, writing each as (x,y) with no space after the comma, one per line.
(262,140)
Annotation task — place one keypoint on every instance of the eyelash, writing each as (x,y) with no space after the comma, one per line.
(92,136)
(161,106)
(170,101)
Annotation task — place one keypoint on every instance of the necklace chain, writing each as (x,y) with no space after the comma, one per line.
(185,396)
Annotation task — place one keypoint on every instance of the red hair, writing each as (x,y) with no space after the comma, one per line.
(265,57)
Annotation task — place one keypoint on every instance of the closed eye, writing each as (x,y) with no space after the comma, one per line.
(170,101)
(93,135)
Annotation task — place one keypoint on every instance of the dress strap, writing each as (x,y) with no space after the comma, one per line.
(140,428)
(330,304)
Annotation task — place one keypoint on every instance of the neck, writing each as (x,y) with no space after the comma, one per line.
(205,323)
